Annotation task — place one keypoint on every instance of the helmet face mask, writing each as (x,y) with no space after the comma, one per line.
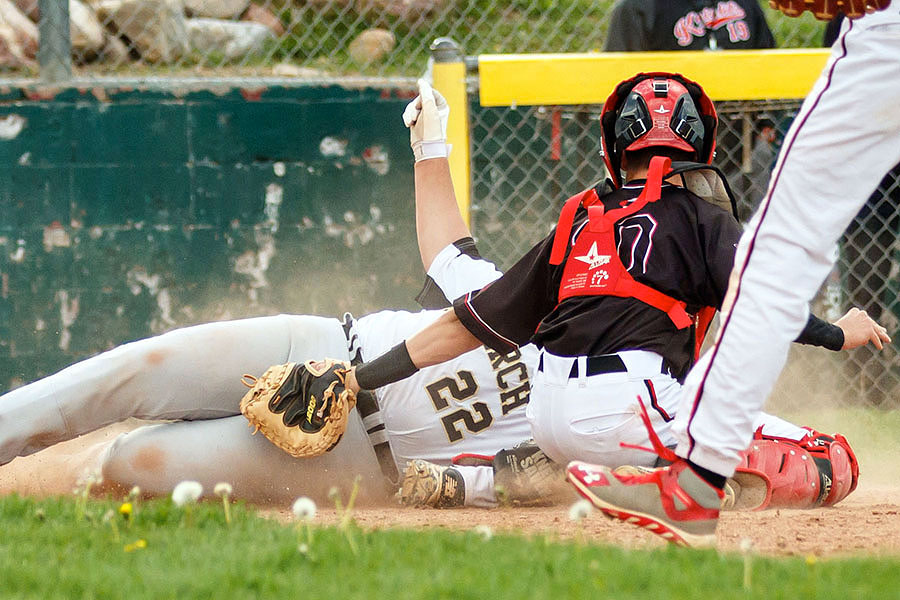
(657,110)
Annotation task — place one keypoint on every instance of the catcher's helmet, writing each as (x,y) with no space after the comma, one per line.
(657,109)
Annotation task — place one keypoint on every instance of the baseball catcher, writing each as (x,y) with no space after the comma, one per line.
(829,9)
(301,408)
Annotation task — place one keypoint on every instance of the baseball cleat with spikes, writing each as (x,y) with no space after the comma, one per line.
(732,488)
(673,502)
(428,484)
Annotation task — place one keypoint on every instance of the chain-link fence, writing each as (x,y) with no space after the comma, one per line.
(528,160)
(306,39)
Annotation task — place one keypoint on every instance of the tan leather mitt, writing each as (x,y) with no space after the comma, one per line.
(301,408)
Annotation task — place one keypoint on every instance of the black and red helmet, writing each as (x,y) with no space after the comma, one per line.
(657,109)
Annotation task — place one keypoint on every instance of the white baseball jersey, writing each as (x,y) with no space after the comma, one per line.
(474,403)
(842,142)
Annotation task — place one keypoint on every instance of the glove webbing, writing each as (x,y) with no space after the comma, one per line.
(367,405)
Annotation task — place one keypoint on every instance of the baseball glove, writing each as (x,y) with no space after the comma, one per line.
(301,408)
(828,9)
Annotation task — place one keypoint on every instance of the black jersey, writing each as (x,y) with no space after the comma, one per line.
(641,25)
(679,245)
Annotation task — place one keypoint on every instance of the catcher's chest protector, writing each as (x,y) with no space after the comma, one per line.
(593,267)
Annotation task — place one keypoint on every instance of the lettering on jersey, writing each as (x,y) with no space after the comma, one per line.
(512,382)
(512,379)
(635,235)
(729,15)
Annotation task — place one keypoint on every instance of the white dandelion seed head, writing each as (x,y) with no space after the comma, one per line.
(746,545)
(484,531)
(135,492)
(89,478)
(579,510)
(186,492)
(303,549)
(222,489)
(304,509)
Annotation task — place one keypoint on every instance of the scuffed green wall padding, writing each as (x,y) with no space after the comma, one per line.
(129,212)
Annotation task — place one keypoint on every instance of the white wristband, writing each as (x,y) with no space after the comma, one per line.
(432,149)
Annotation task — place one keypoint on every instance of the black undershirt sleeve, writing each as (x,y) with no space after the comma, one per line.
(821,333)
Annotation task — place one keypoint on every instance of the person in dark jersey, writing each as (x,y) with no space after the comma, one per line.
(647,25)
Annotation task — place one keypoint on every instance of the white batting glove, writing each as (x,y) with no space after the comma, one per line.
(426,116)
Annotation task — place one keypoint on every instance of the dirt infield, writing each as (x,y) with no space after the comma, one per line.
(865,523)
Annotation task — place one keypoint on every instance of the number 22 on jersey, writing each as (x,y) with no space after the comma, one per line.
(510,385)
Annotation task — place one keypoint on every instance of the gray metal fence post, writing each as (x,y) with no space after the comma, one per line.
(55,52)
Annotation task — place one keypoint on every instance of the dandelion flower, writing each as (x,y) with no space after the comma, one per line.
(126,509)
(186,492)
(224,489)
(93,478)
(304,509)
(579,510)
(137,545)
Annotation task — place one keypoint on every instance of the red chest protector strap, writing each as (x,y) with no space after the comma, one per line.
(594,267)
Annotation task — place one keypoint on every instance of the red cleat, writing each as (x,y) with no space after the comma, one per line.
(672,502)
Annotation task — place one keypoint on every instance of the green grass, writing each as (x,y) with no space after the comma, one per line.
(49,551)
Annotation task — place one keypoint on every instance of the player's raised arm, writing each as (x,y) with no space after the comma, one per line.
(438,220)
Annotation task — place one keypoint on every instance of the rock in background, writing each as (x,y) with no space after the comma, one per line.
(372,46)
(18,37)
(88,36)
(216,9)
(156,28)
(229,38)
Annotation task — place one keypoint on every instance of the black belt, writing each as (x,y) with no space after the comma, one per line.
(596,365)
(600,365)
(603,364)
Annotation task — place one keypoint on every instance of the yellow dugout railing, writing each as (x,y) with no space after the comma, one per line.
(573,79)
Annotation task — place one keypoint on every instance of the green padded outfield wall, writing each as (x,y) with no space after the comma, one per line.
(127,212)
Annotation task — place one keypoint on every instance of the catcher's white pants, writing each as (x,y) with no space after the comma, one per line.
(844,139)
(589,417)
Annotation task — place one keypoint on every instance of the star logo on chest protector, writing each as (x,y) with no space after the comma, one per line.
(592,259)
